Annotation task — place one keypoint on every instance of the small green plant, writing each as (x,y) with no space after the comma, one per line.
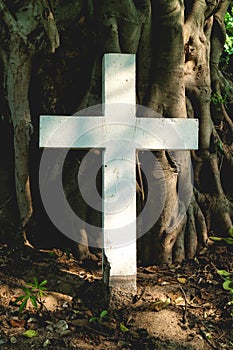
(100,318)
(123,328)
(103,319)
(34,293)
(228,240)
(223,98)
(227,276)
(227,284)
(218,99)
(67,253)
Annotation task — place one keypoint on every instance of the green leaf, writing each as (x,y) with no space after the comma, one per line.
(23,305)
(20,298)
(52,254)
(40,294)
(228,284)
(223,273)
(103,314)
(30,333)
(123,328)
(67,253)
(34,301)
(94,319)
(219,143)
(215,239)
(35,282)
(43,283)
(27,291)
(230,231)
(228,240)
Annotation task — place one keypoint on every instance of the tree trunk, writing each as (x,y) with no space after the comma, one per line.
(178,46)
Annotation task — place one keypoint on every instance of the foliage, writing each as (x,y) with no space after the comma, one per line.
(30,333)
(216,98)
(123,328)
(227,277)
(99,319)
(33,293)
(229,32)
(222,99)
(227,284)
(103,317)
(228,46)
(228,240)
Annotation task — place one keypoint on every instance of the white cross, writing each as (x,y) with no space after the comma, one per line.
(120,133)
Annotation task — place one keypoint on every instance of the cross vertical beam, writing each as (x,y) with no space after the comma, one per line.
(119,172)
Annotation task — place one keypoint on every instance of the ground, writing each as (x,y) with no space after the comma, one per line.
(177,307)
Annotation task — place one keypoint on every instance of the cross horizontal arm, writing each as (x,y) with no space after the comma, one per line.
(164,133)
(143,133)
(71,132)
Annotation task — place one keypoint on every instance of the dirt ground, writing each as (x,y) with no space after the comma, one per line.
(177,307)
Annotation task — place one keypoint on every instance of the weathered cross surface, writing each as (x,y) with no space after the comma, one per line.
(120,133)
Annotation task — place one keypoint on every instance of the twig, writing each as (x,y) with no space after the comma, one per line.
(6,202)
(184,318)
(139,300)
(227,118)
(222,335)
(216,270)
(207,339)
(141,187)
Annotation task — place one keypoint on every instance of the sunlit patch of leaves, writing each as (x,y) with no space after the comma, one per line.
(229,32)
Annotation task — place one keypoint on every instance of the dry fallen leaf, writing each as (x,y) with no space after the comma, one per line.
(17,323)
(180,301)
(160,304)
(149,270)
(182,280)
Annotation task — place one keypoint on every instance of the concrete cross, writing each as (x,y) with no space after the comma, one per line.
(120,133)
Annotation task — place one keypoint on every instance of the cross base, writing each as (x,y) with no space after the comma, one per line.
(126,283)
(122,291)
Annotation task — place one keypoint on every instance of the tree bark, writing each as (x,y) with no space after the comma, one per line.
(17,52)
